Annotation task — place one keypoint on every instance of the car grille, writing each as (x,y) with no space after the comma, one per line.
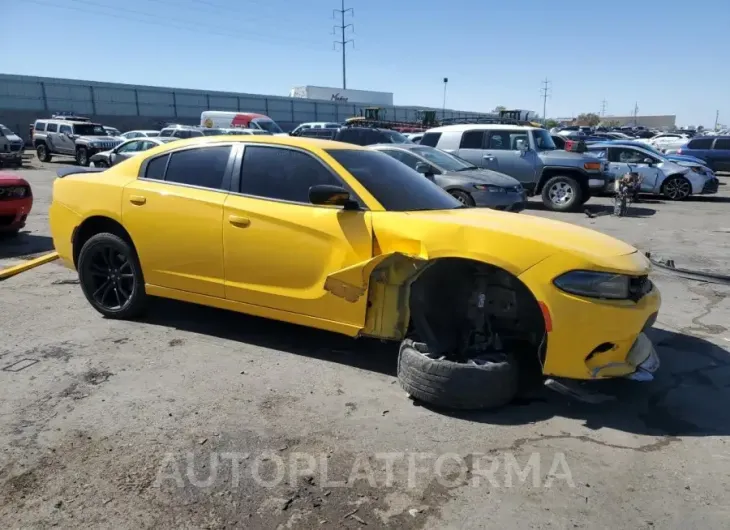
(711,186)
(5,220)
(16,147)
(107,145)
(639,286)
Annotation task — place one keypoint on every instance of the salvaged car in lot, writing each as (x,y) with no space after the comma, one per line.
(127,150)
(16,201)
(346,239)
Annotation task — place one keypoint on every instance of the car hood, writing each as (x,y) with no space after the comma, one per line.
(514,242)
(686,158)
(485,176)
(14,139)
(673,167)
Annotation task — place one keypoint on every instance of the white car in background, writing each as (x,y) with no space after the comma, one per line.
(665,141)
(415,137)
(314,125)
(129,135)
(112,131)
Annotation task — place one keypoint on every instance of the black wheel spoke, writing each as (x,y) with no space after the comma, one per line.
(100,289)
(125,294)
(126,265)
(116,294)
(109,275)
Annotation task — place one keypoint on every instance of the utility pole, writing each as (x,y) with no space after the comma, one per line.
(545,91)
(443,109)
(636,113)
(343,42)
(603,108)
(717,118)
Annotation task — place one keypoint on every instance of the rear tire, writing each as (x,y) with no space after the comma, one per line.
(562,194)
(43,154)
(111,277)
(459,386)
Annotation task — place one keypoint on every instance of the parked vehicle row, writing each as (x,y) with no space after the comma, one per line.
(11,147)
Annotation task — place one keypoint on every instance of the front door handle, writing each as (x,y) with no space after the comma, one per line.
(237,220)
(139,200)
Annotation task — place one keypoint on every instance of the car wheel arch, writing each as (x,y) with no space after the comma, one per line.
(93,225)
(550,172)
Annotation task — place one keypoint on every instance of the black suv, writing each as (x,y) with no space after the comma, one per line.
(357,135)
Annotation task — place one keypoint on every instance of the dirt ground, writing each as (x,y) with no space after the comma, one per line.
(198,418)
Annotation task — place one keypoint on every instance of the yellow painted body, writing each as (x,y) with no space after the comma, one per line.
(348,271)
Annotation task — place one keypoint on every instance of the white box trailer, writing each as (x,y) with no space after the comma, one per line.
(366,97)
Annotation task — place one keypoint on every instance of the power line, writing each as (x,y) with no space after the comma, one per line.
(545,92)
(180,24)
(343,42)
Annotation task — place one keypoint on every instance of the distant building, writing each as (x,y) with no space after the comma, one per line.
(668,121)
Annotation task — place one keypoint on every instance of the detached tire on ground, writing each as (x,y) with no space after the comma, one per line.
(450,385)
(562,194)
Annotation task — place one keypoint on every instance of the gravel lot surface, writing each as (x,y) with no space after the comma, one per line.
(198,418)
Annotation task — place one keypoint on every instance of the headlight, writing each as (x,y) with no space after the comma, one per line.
(697,169)
(489,188)
(594,284)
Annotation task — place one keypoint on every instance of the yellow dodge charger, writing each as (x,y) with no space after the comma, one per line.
(346,239)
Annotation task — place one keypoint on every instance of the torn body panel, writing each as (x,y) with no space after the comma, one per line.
(385,280)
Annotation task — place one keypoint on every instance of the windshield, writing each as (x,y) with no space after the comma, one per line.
(89,129)
(4,131)
(268,125)
(152,134)
(396,137)
(543,140)
(394,185)
(443,160)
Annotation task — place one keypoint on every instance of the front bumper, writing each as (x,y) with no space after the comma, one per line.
(506,202)
(591,338)
(711,186)
(13,213)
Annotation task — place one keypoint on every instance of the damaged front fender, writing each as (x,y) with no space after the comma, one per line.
(385,280)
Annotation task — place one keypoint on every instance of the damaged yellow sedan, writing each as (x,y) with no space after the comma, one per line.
(346,239)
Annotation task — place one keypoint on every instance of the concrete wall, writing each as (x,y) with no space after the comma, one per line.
(23,99)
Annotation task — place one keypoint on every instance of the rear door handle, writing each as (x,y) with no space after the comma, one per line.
(240,222)
(137,199)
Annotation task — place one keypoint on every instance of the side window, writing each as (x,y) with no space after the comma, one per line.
(627,156)
(598,153)
(722,143)
(401,156)
(156,168)
(52,127)
(204,167)
(351,136)
(166,132)
(65,129)
(147,145)
(470,140)
(284,174)
(700,143)
(130,147)
(431,139)
(40,126)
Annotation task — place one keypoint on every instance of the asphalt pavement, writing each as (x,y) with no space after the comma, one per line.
(199,418)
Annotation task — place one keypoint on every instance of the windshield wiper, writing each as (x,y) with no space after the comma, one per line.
(468,168)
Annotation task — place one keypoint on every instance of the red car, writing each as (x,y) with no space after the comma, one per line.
(16,200)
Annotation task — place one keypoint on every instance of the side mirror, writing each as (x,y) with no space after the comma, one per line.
(524,147)
(424,169)
(328,195)
(649,162)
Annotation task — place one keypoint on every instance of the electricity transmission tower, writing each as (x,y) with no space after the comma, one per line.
(343,41)
(545,92)
(603,108)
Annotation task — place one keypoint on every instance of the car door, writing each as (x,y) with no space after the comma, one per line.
(65,140)
(471,147)
(503,154)
(623,159)
(174,212)
(279,248)
(125,151)
(720,154)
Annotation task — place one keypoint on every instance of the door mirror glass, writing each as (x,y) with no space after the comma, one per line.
(424,169)
(328,195)
(648,162)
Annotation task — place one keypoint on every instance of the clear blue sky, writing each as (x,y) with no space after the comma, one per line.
(669,57)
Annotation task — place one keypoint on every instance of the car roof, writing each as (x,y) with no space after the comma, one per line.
(407,147)
(290,141)
(479,127)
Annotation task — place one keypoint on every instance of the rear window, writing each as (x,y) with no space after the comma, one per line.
(472,140)
(700,143)
(722,143)
(431,139)
(166,132)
